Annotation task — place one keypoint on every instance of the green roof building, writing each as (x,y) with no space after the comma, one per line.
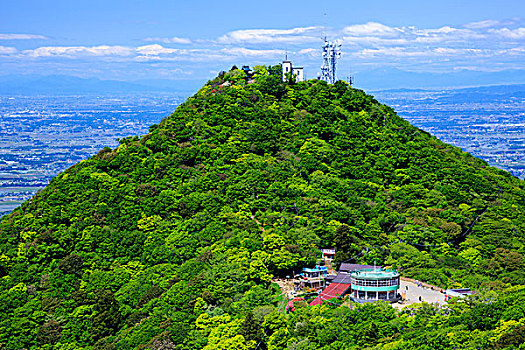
(374,284)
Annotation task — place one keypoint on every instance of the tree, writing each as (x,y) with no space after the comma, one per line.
(251,329)
(49,333)
(346,243)
(107,317)
(71,264)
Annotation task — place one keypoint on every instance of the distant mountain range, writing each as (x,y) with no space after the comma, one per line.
(371,80)
(63,84)
(391,78)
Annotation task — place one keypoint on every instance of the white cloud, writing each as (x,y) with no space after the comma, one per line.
(309,51)
(4,50)
(158,52)
(78,51)
(374,41)
(482,24)
(421,52)
(370,29)
(447,51)
(377,34)
(155,50)
(445,34)
(515,51)
(429,32)
(486,43)
(21,37)
(243,52)
(518,33)
(268,36)
(172,40)
(392,51)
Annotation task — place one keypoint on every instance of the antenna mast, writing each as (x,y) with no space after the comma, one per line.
(331,52)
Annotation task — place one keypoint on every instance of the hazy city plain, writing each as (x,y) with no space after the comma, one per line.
(488,122)
(40,136)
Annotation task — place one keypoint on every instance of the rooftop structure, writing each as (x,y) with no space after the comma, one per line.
(349,268)
(316,271)
(313,277)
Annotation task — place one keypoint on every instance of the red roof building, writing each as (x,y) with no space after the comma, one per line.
(334,290)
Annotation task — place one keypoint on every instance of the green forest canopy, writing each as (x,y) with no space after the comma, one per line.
(170,241)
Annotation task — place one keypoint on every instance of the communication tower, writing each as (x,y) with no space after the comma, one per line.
(331,52)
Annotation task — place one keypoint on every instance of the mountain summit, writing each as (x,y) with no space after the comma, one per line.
(171,240)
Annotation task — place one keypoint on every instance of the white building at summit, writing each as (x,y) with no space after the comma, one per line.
(289,68)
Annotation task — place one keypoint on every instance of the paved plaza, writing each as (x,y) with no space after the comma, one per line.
(413,292)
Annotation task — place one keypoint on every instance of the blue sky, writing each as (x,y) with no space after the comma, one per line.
(135,39)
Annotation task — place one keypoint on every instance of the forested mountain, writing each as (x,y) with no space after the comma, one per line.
(171,240)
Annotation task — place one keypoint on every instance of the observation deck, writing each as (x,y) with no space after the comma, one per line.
(374,284)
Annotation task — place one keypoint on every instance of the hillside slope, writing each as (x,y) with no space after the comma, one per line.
(170,241)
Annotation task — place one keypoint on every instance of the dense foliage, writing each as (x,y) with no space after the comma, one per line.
(171,240)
